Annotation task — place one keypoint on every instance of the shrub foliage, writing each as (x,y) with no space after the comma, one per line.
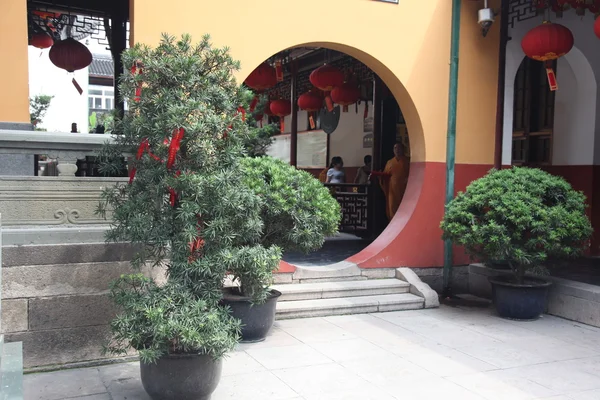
(519,215)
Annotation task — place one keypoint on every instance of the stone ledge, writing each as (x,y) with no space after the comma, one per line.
(15,315)
(60,346)
(567,299)
(66,253)
(418,287)
(65,279)
(70,311)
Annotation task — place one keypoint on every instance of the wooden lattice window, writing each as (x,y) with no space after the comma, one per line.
(533,115)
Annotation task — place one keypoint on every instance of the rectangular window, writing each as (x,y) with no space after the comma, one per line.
(95,92)
(108,104)
(533,115)
(97,102)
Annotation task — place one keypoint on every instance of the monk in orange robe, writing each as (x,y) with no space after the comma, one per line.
(393,180)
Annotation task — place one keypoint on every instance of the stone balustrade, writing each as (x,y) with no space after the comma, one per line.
(65,148)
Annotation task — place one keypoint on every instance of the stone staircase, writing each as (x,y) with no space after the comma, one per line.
(11,357)
(338,292)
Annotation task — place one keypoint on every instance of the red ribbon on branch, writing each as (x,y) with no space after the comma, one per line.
(197,244)
(174,146)
(135,70)
(173,193)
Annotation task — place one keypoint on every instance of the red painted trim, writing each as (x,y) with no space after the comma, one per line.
(285,268)
(413,237)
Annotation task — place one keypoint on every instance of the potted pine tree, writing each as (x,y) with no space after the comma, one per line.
(298,213)
(186,208)
(521,216)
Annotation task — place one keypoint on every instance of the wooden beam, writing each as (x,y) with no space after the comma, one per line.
(294,126)
(118,33)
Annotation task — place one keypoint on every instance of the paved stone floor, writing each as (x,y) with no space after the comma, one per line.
(446,353)
(335,249)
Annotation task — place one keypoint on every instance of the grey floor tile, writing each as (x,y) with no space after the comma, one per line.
(276,338)
(256,386)
(351,349)
(446,362)
(503,356)
(390,372)
(502,385)
(238,363)
(288,356)
(437,388)
(104,396)
(587,395)
(63,384)
(559,377)
(330,381)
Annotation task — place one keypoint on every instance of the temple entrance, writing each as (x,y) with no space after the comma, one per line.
(357,123)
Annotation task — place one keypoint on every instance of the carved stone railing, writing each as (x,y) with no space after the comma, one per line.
(49,210)
(65,148)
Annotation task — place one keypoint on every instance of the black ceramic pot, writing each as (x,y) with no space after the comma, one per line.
(257,319)
(525,301)
(181,377)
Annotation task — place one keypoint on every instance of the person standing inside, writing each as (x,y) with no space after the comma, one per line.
(362,176)
(393,180)
(336,174)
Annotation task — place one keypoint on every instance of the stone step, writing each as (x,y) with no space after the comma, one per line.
(348,305)
(330,289)
(11,371)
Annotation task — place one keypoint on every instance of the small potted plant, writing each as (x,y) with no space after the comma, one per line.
(187,210)
(521,216)
(298,213)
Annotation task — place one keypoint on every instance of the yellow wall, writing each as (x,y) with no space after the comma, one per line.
(408,45)
(14,76)
(477,88)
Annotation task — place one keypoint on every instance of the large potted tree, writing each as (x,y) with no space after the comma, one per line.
(186,209)
(521,216)
(298,213)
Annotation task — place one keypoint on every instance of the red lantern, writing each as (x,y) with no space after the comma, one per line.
(311,103)
(345,95)
(70,55)
(262,78)
(41,40)
(281,108)
(267,109)
(597,27)
(548,42)
(326,78)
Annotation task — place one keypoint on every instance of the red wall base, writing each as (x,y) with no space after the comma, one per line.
(585,178)
(413,237)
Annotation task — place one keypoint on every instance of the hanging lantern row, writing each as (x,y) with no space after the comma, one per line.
(326,78)
(559,6)
(41,40)
(548,42)
(281,108)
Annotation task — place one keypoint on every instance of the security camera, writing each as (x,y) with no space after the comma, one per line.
(486,19)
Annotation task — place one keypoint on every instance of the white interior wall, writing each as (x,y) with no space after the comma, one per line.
(68,105)
(576,125)
(346,141)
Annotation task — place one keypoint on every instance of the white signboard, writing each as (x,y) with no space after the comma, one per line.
(312,149)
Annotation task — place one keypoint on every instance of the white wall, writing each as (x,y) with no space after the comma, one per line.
(576,125)
(346,141)
(68,105)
